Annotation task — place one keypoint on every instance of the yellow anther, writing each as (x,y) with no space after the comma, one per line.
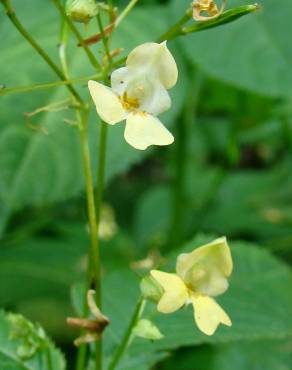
(130,104)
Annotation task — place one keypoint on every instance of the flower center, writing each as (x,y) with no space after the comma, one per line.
(129,104)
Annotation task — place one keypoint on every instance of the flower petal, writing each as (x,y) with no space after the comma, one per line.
(143,130)
(156,101)
(120,79)
(157,59)
(107,103)
(175,292)
(206,268)
(208,314)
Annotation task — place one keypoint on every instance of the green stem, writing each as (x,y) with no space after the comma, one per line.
(81,357)
(228,16)
(104,38)
(63,46)
(128,336)
(286,131)
(83,125)
(90,199)
(23,89)
(101,167)
(125,12)
(100,179)
(49,359)
(93,223)
(79,37)
(96,264)
(82,350)
(13,18)
(175,30)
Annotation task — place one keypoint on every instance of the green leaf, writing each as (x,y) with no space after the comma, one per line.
(254,203)
(250,53)
(28,335)
(45,267)
(268,355)
(152,222)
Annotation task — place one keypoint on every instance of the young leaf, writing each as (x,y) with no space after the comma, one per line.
(25,346)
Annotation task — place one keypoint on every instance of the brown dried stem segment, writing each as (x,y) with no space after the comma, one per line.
(106,31)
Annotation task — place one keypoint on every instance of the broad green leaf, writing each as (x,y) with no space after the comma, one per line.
(41,267)
(11,348)
(268,355)
(254,203)
(250,53)
(152,222)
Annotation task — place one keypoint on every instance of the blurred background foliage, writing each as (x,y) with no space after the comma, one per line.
(228,173)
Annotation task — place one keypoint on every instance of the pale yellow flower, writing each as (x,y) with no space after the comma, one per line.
(138,94)
(200,275)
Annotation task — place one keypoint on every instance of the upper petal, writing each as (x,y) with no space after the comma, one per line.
(206,268)
(208,314)
(157,59)
(143,130)
(107,103)
(120,79)
(175,292)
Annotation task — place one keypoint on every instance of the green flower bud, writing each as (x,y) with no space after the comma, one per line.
(147,330)
(81,10)
(150,289)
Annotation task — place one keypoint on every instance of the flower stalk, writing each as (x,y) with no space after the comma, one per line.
(128,336)
(179,29)
(49,85)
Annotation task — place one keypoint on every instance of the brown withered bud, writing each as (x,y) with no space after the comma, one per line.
(94,327)
(209,7)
